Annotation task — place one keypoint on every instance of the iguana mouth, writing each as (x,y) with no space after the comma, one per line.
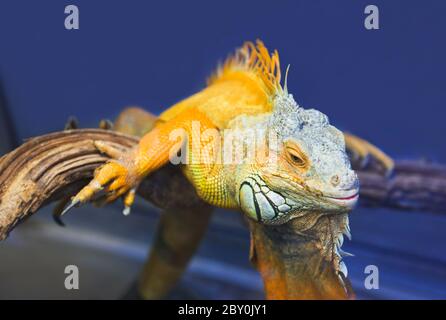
(348,201)
(348,198)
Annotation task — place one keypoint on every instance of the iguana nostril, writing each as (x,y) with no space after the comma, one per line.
(335,180)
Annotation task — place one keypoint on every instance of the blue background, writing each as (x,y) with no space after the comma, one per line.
(386,85)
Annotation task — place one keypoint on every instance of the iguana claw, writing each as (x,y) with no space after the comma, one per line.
(57,211)
(73,203)
(116,178)
(129,198)
(126,211)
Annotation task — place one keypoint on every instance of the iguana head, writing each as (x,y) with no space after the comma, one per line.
(297,188)
(306,170)
(305,187)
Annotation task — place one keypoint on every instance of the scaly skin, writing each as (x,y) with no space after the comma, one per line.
(305,173)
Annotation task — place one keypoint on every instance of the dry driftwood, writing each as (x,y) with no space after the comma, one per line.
(52,166)
(414,185)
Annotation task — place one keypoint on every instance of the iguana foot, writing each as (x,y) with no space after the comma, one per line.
(363,151)
(117,178)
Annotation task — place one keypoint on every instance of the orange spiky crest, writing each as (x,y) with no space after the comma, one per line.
(256,60)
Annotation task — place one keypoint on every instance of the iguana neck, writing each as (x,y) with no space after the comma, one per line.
(300,265)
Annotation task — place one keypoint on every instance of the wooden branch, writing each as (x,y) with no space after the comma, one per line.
(57,165)
(414,185)
(53,166)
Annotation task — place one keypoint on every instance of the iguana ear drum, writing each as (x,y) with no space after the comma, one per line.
(259,202)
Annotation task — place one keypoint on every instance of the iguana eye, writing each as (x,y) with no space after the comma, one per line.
(296,158)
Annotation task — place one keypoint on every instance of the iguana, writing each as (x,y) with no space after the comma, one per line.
(299,175)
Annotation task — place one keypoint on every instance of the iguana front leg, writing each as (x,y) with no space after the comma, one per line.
(180,229)
(122,175)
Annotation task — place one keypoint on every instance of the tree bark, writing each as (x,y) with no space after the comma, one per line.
(53,166)
(414,185)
